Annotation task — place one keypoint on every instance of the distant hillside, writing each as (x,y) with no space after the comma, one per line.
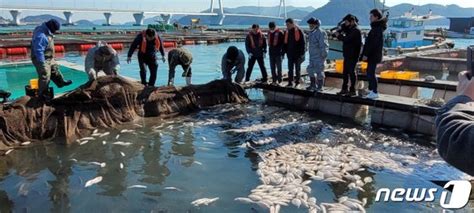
(4,20)
(40,19)
(334,10)
(295,12)
(85,23)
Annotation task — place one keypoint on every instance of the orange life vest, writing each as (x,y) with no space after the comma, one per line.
(143,45)
(297,34)
(271,36)
(260,39)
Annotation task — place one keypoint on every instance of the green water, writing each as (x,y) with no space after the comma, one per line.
(14,78)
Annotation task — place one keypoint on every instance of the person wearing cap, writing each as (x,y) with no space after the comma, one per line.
(294,47)
(102,58)
(233,61)
(256,46)
(148,44)
(275,44)
(42,56)
(180,56)
(318,47)
(351,38)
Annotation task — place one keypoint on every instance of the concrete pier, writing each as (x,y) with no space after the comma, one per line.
(108,20)
(68,16)
(16,15)
(139,17)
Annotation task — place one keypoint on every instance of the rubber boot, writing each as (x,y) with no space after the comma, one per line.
(320,85)
(188,81)
(312,85)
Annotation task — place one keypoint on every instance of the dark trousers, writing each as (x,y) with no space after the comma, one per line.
(349,72)
(294,64)
(261,64)
(372,78)
(152,67)
(275,66)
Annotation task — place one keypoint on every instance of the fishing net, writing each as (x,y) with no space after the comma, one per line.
(105,103)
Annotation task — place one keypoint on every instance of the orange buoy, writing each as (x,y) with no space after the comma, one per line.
(17,50)
(3,51)
(117,46)
(85,47)
(189,42)
(59,48)
(169,44)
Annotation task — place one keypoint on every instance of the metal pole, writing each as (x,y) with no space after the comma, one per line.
(212,6)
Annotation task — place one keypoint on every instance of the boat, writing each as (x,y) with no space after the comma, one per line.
(470,35)
(461,27)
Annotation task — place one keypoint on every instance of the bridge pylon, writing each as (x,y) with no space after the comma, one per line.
(16,14)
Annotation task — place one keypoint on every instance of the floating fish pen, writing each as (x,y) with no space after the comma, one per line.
(406,113)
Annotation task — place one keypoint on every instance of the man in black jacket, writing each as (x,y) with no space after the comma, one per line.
(294,47)
(256,46)
(351,38)
(373,49)
(275,43)
(148,43)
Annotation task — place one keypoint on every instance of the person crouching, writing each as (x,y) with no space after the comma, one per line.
(180,56)
(101,58)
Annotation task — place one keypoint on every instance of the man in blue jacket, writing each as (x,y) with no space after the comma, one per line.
(42,56)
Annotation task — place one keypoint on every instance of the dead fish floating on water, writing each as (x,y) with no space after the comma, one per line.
(172,188)
(120,143)
(104,134)
(198,163)
(204,201)
(102,165)
(8,151)
(127,131)
(26,143)
(137,187)
(123,154)
(117,137)
(93,181)
(121,165)
(87,139)
(83,142)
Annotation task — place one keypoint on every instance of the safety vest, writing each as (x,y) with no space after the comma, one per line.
(143,46)
(260,39)
(274,37)
(297,34)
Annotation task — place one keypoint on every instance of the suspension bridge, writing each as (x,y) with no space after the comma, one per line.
(216,11)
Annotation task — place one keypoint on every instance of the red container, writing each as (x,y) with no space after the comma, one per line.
(59,48)
(169,44)
(117,46)
(17,51)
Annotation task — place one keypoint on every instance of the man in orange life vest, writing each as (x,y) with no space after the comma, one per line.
(294,47)
(275,43)
(148,43)
(256,47)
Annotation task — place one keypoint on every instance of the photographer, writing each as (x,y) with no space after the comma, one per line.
(455,127)
(351,38)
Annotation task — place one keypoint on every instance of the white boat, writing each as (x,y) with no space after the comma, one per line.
(470,35)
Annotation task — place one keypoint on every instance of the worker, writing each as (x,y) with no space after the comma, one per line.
(42,56)
(455,127)
(148,43)
(318,46)
(102,58)
(275,44)
(256,46)
(233,61)
(351,38)
(180,56)
(294,47)
(373,50)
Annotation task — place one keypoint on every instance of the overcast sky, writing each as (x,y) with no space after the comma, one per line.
(184,5)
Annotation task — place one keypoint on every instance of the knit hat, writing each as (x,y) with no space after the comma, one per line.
(53,25)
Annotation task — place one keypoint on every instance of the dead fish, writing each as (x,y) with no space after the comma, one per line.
(138,125)
(95,131)
(73,160)
(83,142)
(104,142)
(123,154)
(198,163)
(93,181)
(117,137)
(25,143)
(137,186)
(87,139)
(161,134)
(172,188)
(104,134)
(98,164)
(210,143)
(8,151)
(204,201)
(127,131)
(122,143)
(203,138)
(121,165)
